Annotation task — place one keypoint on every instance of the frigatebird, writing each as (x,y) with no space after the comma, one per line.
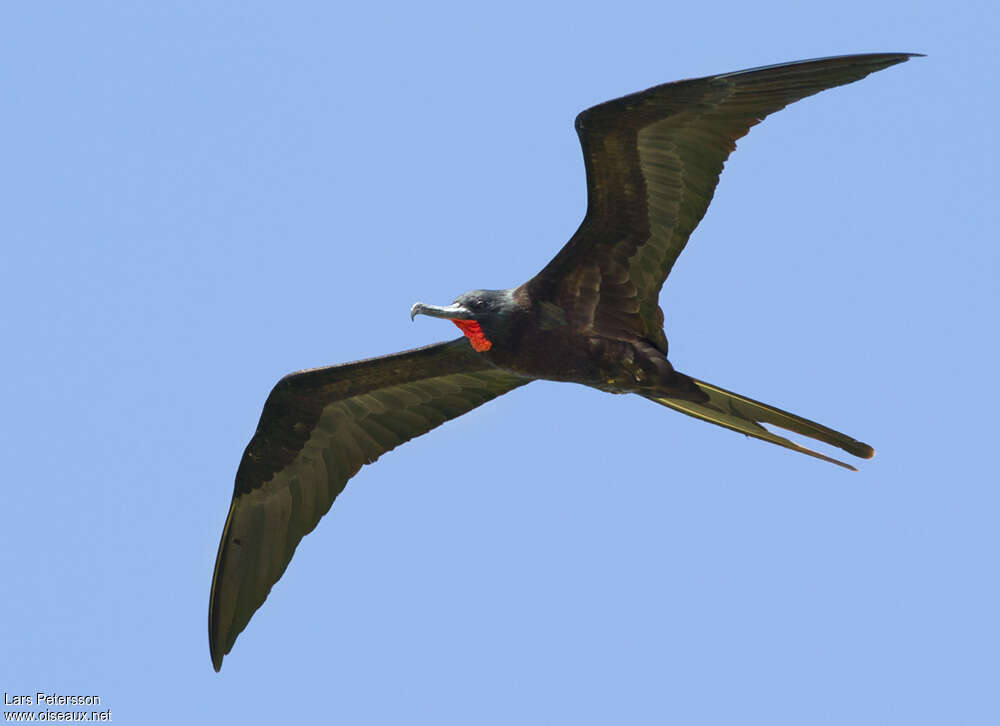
(591,316)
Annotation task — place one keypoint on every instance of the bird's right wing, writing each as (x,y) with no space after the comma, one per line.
(653,160)
(318,428)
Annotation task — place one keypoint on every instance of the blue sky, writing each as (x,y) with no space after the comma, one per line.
(201,197)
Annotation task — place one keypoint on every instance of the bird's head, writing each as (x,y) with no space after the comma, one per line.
(483,315)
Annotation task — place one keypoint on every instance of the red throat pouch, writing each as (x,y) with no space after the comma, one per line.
(474,333)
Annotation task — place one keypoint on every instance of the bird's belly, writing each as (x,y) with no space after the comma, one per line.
(616,366)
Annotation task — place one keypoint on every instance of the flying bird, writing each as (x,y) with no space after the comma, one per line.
(591,316)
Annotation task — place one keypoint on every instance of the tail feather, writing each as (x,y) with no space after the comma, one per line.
(738,413)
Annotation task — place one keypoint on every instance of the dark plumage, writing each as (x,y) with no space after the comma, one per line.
(591,316)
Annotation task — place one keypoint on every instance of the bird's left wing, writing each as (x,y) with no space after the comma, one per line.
(318,428)
(653,160)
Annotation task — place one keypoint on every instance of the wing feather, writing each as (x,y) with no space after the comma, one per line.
(653,161)
(317,429)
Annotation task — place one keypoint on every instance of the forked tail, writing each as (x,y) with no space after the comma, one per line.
(738,413)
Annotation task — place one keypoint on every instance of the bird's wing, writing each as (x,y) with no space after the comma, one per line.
(318,428)
(653,160)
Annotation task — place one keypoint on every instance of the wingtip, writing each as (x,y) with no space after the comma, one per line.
(884,60)
(903,57)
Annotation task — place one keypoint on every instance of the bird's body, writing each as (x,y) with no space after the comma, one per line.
(591,316)
(538,340)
